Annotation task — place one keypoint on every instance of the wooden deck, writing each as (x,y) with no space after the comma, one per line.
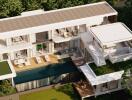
(34,63)
(84,89)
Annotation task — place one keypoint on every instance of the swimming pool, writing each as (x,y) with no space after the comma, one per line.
(66,66)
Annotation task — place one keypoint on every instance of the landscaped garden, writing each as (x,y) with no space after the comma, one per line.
(65,92)
(109,67)
(6,88)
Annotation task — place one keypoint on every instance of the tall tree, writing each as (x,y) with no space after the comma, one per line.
(10,8)
(31,4)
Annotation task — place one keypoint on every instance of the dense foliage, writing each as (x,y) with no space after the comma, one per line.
(6,88)
(125,13)
(10,8)
(15,7)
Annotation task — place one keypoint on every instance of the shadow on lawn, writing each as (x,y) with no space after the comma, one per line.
(68,90)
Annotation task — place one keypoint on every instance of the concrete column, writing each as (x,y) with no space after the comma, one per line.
(12,57)
(8,41)
(50,34)
(119,83)
(12,81)
(32,38)
(33,51)
(28,53)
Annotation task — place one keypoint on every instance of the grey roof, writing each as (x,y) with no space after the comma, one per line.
(55,16)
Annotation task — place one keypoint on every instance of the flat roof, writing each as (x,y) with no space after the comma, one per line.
(6,70)
(96,80)
(110,68)
(111,33)
(56,16)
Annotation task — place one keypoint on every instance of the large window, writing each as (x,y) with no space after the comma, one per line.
(19,39)
(21,54)
(104,87)
(42,48)
(5,56)
(41,37)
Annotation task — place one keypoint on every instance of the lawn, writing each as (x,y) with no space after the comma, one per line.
(109,67)
(65,92)
(4,68)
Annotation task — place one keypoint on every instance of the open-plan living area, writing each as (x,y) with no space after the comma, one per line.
(40,48)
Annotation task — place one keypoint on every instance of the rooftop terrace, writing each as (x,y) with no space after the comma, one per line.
(109,67)
(4,68)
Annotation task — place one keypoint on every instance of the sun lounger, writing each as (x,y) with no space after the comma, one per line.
(65,34)
(38,59)
(20,65)
(47,58)
(27,63)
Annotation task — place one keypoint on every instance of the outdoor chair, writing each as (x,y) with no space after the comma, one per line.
(38,59)
(27,62)
(47,58)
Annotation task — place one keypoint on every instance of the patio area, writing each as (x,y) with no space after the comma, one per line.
(84,88)
(35,64)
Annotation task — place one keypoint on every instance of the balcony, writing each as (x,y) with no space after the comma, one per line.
(63,35)
(122,54)
(19,40)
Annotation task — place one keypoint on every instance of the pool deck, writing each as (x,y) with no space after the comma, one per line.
(34,64)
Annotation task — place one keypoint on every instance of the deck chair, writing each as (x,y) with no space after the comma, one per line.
(27,63)
(47,58)
(38,59)
(65,34)
(20,65)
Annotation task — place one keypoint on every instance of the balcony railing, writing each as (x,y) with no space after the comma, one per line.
(121,55)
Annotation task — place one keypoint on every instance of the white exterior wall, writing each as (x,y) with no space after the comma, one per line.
(33,51)
(94,21)
(29,53)
(32,38)
(8,41)
(12,57)
(99,87)
(51,47)
(50,34)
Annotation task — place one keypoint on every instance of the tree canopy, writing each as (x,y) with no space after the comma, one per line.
(10,8)
(6,88)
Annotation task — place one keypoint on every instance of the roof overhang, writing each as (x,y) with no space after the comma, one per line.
(15,29)
(111,33)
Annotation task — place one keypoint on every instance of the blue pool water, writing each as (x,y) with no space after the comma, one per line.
(46,71)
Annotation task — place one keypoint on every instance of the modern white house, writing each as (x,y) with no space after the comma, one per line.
(87,34)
